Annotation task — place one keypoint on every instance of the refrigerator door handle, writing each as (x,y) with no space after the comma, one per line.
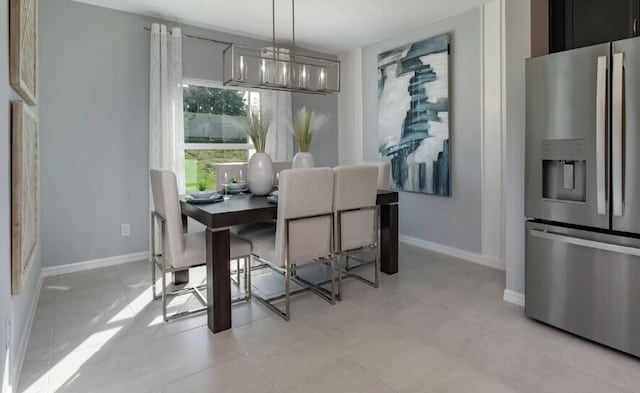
(617,155)
(586,243)
(601,134)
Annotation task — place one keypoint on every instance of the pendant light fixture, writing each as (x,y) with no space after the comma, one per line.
(280,67)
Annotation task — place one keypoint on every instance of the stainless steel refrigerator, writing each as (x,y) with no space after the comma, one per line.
(583,192)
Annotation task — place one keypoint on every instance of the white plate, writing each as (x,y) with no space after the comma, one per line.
(202,201)
(237,186)
(202,194)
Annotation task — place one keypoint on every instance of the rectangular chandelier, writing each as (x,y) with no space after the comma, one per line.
(279,69)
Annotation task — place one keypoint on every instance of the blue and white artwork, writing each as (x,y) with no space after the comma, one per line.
(413,115)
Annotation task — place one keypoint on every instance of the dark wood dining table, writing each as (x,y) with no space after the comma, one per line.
(249,209)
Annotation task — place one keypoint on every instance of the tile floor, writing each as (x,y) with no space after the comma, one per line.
(440,325)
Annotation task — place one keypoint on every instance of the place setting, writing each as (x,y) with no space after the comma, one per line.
(234,185)
(203,196)
(273,195)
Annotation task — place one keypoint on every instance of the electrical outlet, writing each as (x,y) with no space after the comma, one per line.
(125,230)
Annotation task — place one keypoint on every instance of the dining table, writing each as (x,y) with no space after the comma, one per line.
(219,217)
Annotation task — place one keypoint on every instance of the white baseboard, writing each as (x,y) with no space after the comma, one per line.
(514,297)
(94,264)
(21,349)
(453,252)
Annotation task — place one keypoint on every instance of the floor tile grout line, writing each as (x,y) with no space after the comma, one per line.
(606,378)
(260,369)
(564,362)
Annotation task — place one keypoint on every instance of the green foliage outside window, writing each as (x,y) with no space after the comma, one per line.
(199,99)
(199,102)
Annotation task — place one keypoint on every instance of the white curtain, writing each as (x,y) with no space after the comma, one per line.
(278,105)
(166,121)
(279,140)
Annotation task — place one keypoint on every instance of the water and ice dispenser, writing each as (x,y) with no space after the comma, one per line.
(564,170)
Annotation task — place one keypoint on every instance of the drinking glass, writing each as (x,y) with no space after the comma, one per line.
(240,180)
(225,184)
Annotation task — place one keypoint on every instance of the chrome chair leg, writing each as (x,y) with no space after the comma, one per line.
(325,294)
(287,288)
(164,292)
(158,262)
(247,276)
(333,280)
(339,294)
(153,256)
(153,277)
(247,281)
(376,280)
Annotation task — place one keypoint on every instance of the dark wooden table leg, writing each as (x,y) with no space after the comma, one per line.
(218,280)
(389,239)
(182,276)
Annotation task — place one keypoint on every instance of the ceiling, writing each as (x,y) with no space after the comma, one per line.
(327,25)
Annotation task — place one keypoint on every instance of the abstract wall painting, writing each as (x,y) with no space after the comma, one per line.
(25,173)
(23,48)
(413,115)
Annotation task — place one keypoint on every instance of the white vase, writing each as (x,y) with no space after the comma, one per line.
(260,176)
(302,159)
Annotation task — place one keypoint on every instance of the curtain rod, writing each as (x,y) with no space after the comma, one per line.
(197,37)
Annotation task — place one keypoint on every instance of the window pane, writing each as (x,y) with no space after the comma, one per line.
(200,166)
(209,113)
(209,119)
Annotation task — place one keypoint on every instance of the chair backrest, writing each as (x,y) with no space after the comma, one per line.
(355,187)
(232,169)
(281,166)
(384,173)
(305,193)
(164,189)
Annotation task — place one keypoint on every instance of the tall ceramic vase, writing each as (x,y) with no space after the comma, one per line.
(260,176)
(302,159)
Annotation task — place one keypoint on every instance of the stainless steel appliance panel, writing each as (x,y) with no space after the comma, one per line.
(585,283)
(625,114)
(567,101)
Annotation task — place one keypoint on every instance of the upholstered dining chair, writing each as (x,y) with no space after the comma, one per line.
(354,203)
(178,250)
(233,169)
(280,166)
(303,236)
(384,173)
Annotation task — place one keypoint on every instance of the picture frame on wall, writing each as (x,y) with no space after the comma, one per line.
(25,200)
(413,115)
(23,49)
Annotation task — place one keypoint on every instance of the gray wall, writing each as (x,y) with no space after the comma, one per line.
(518,48)
(455,221)
(324,146)
(5,183)
(94,121)
(13,309)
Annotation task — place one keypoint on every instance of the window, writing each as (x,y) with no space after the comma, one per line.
(211,135)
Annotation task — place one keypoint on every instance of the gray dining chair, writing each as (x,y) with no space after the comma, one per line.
(280,166)
(303,236)
(354,204)
(241,230)
(178,250)
(384,173)
(237,170)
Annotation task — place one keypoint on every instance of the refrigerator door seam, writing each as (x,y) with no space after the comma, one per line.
(601,134)
(586,242)
(617,155)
